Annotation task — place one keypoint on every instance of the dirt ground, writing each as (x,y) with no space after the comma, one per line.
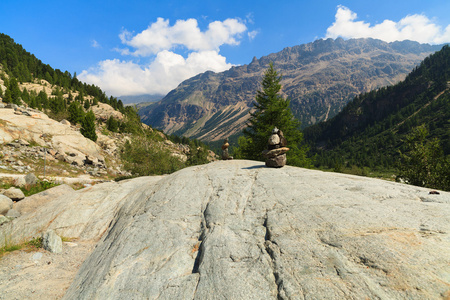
(40,274)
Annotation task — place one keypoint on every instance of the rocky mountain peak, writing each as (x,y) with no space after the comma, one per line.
(319,78)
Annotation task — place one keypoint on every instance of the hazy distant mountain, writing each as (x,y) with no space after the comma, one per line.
(140,98)
(319,78)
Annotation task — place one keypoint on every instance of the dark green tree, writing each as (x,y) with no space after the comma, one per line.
(271,110)
(88,126)
(76,113)
(87,104)
(13,87)
(42,100)
(423,163)
(112,124)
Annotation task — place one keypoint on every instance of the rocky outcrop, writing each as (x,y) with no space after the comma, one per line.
(82,214)
(238,230)
(52,140)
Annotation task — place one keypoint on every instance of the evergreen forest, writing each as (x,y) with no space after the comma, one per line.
(375,131)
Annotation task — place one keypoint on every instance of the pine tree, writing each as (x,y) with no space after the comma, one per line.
(15,91)
(112,124)
(271,110)
(88,126)
(76,113)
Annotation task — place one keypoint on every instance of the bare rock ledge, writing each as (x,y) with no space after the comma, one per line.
(238,230)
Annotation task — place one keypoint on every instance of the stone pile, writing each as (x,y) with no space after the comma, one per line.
(225,154)
(275,153)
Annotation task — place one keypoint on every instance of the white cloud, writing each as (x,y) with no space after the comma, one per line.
(167,69)
(412,27)
(163,74)
(161,36)
(95,44)
(252,34)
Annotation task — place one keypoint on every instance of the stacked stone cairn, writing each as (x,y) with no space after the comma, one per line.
(275,153)
(225,154)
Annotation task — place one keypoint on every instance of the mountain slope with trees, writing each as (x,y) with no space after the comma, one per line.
(377,129)
(26,81)
(319,78)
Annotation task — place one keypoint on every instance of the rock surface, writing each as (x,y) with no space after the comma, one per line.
(83,214)
(5,204)
(238,230)
(52,242)
(39,126)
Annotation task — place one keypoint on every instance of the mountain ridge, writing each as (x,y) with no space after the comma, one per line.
(318,77)
(371,129)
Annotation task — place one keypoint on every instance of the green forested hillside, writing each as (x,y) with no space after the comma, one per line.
(62,96)
(371,130)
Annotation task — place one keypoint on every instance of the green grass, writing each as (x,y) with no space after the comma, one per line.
(29,190)
(31,245)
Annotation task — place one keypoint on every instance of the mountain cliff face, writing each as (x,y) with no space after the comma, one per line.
(319,78)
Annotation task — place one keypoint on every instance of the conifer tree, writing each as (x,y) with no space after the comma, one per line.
(271,110)
(88,126)
(112,124)
(75,112)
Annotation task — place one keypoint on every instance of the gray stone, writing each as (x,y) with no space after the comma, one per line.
(277,161)
(274,139)
(31,179)
(12,213)
(237,230)
(51,242)
(5,204)
(20,181)
(14,194)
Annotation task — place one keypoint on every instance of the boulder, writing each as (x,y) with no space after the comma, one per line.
(20,181)
(51,242)
(5,204)
(31,179)
(14,194)
(276,161)
(238,230)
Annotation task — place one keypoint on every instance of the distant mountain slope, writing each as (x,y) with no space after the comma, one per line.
(370,129)
(319,78)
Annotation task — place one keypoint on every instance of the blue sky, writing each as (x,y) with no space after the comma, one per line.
(147,47)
